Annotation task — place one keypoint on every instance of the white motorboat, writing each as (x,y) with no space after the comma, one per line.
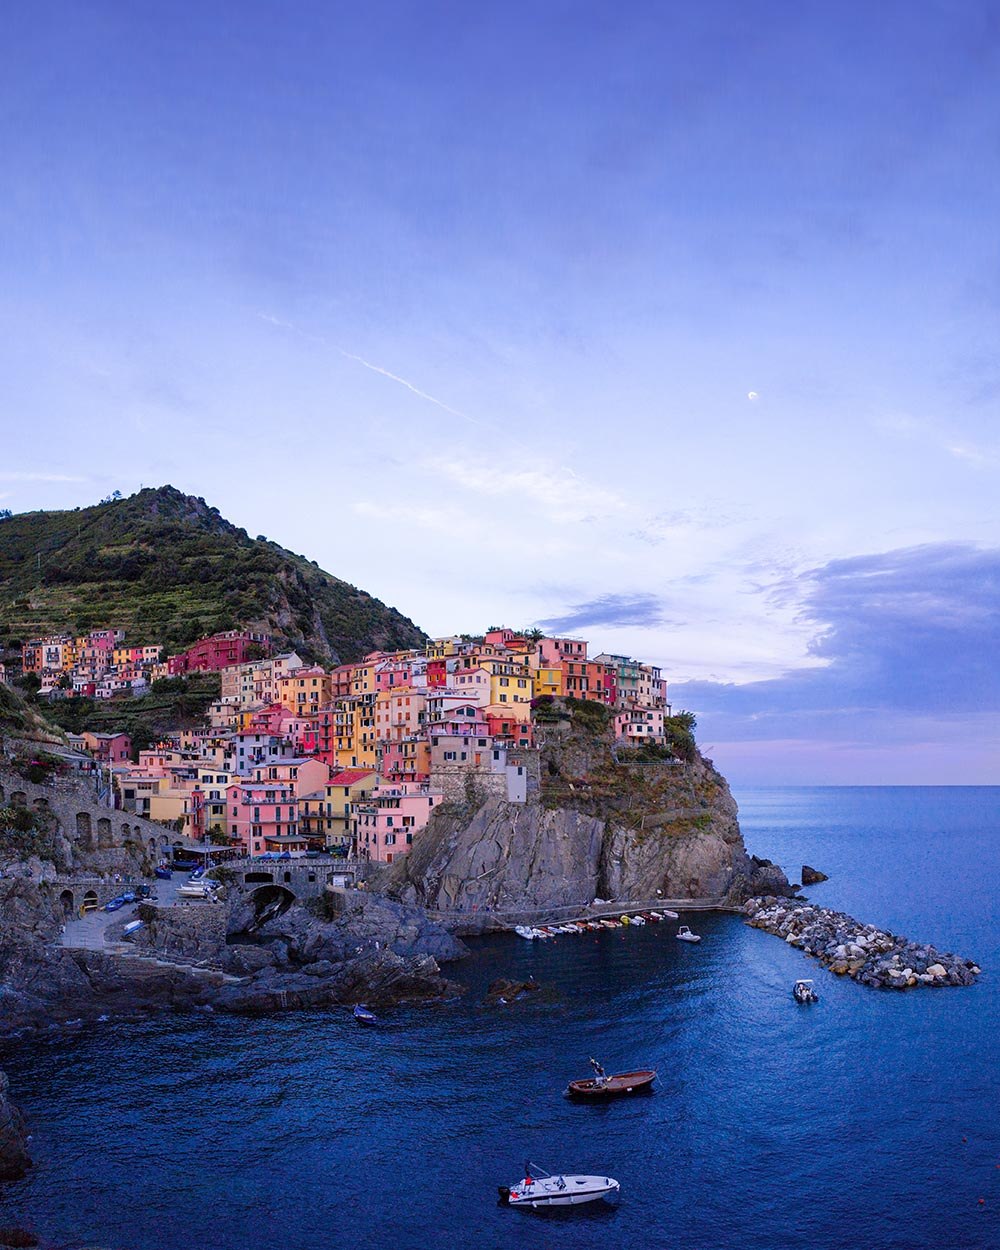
(669,915)
(636,920)
(539,1189)
(525,931)
(803,992)
(684,934)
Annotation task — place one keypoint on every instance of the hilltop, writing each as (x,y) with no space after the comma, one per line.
(167,567)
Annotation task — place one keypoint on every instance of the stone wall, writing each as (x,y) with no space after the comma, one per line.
(85,831)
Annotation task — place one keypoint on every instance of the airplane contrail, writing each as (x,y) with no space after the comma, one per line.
(393,377)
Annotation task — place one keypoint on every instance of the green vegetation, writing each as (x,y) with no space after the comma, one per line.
(679,730)
(173,703)
(168,568)
(24,833)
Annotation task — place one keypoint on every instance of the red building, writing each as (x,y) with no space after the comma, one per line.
(219,651)
(507,730)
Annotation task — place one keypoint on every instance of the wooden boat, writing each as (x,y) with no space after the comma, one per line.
(364,1016)
(600,1086)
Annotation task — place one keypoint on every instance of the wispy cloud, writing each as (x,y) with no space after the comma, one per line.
(368,364)
(611,611)
(558,493)
(41,477)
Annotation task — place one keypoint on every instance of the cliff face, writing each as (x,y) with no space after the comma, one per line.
(14,1159)
(595,825)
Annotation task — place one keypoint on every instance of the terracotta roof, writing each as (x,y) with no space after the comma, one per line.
(350,776)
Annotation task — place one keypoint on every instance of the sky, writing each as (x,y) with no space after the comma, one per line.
(669,325)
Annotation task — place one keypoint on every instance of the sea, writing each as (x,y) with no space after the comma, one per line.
(869,1121)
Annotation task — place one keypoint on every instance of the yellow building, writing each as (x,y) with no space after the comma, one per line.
(548,681)
(512,686)
(305,691)
(326,813)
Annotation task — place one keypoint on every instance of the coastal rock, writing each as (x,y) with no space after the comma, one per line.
(812,876)
(14,1159)
(847,947)
(380,979)
(503,990)
(592,826)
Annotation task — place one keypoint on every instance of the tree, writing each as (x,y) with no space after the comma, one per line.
(5,514)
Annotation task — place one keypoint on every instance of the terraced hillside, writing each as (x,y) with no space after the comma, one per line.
(168,568)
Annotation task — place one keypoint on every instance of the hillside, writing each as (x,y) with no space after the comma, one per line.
(168,568)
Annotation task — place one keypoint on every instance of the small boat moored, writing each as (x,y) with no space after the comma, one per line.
(524,931)
(363,1015)
(539,1189)
(803,992)
(600,1086)
(684,934)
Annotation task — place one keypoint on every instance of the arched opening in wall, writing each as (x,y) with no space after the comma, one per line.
(83,827)
(18,799)
(268,902)
(249,878)
(104,833)
(89,901)
(288,877)
(41,805)
(67,902)
(126,833)
(152,846)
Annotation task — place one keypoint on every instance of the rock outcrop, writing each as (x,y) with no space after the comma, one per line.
(812,876)
(14,1160)
(868,955)
(594,825)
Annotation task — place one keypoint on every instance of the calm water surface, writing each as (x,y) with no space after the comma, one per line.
(871,1120)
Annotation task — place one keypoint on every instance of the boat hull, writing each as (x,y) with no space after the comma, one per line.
(573,1191)
(618,1086)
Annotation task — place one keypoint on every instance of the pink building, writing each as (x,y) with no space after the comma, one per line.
(640,725)
(260,812)
(385,825)
(408,759)
(301,775)
(554,651)
(108,748)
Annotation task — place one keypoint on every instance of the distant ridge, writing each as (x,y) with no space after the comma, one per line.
(167,567)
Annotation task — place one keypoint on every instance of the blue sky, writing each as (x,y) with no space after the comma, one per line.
(675,325)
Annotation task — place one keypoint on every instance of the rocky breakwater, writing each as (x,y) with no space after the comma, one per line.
(599,821)
(861,951)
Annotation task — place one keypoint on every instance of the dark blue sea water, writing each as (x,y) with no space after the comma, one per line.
(870,1120)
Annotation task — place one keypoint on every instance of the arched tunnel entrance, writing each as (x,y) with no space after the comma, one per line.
(266,903)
